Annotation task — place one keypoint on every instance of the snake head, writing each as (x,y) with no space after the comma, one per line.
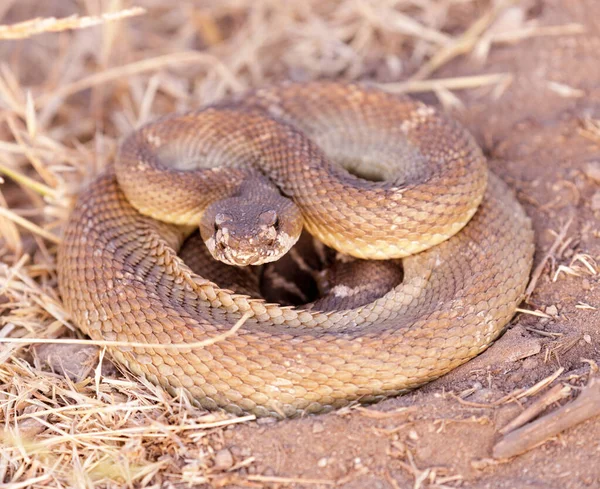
(243,233)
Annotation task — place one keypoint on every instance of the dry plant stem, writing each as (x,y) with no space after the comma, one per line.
(27,182)
(456,83)
(150,64)
(133,344)
(34,228)
(581,409)
(32,27)
(537,31)
(555,394)
(463,44)
(537,272)
(289,480)
(539,314)
(534,389)
(516,394)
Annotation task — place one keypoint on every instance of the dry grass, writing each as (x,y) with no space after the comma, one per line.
(77,78)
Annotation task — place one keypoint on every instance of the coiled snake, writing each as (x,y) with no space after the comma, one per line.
(370,174)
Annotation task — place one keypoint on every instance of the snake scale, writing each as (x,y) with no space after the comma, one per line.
(373,175)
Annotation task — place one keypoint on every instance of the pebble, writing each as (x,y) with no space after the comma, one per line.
(223,459)
(482,395)
(592,170)
(596,201)
(266,421)
(552,310)
(322,462)
(318,427)
(529,363)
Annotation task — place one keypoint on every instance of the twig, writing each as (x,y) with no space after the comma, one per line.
(581,409)
(547,334)
(28,182)
(517,35)
(555,394)
(29,28)
(456,83)
(289,480)
(535,388)
(514,395)
(134,344)
(126,71)
(537,313)
(537,272)
(34,228)
(463,44)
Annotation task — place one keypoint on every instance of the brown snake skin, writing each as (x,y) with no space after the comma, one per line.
(121,278)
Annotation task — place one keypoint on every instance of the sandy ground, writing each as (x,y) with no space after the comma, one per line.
(540,135)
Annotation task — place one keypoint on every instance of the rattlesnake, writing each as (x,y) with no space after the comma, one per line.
(426,196)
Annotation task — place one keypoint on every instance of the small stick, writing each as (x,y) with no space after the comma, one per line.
(535,275)
(134,344)
(463,43)
(534,389)
(455,83)
(28,182)
(40,25)
(581,409)
(30,226)
(536,31)
(555,394)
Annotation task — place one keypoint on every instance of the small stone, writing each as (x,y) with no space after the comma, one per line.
(412,434)
(596,201)
(482,395)
(552,310)
(318,427)
(236,451)
(587,338)
(592,170)
(30,426)
(322,462)
(266,421)
(223,460)
(530,363)
(73,361)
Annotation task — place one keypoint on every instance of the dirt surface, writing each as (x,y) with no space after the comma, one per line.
(540,134)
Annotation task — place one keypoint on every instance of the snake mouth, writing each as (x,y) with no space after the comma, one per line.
(242,257)
(240,261)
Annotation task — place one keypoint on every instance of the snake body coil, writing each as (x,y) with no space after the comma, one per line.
(467,245)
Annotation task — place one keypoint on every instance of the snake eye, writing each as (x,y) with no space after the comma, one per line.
(269,218)
(221,219)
